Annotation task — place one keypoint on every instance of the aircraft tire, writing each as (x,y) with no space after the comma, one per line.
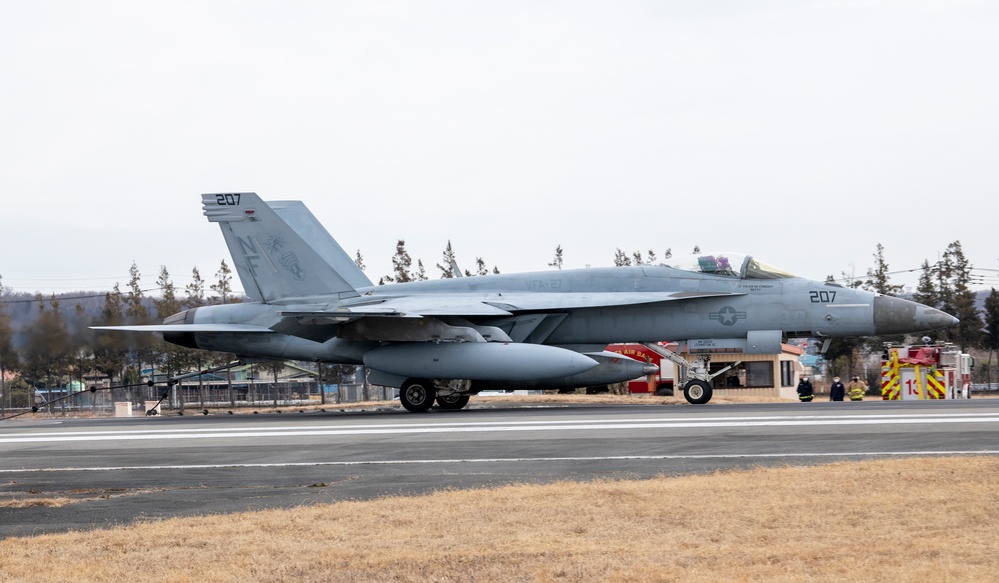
(697,392)
(452,402)
(417,395)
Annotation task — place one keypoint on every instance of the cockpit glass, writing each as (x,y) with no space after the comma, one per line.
(728,265)
(756,269)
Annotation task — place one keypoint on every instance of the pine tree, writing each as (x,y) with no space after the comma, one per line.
(81,339)
(557,261)
(359,261)
(621,258)
(968,333)
(195,290)
(9,359)
(401,264)
(47,347)
(991,328)
(926,290)
(172,356)
(878,279)
(111,350)
(168,304)
(223,285)
(447,262)
(135,310)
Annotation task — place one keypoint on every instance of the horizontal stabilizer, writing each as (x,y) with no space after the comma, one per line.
(191,328)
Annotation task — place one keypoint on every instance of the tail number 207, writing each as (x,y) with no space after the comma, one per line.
(227,199)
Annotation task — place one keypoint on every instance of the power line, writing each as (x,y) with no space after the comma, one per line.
(89,296)
(60,298)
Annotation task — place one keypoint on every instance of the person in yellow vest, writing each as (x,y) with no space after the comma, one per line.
(856,389)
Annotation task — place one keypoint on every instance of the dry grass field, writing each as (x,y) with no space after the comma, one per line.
(920,519)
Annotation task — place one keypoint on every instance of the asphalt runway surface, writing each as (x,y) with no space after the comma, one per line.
(128,469)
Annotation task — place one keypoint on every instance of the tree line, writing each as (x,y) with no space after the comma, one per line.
(55,346)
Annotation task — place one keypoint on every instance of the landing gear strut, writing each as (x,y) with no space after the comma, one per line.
(694,376)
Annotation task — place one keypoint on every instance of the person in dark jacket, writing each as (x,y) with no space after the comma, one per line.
(805,390)
(837,390)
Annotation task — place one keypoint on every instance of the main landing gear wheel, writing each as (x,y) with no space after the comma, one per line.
(452,402)
(417,395)
(697,392)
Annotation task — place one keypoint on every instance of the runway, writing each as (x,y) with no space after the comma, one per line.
(122,470)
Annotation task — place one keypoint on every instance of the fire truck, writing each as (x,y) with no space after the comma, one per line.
(660,383)
(929,371)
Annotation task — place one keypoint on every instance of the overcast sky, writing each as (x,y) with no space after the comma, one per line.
(804,133)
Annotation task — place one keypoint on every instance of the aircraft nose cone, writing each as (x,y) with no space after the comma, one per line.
(898,316)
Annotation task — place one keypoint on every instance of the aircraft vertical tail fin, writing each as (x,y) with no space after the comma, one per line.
(273,259)
(301,219)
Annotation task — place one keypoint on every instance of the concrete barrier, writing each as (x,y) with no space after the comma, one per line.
(122,409)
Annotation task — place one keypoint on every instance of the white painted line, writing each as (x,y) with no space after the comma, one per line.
(602,425)
(486,425)
(515,460)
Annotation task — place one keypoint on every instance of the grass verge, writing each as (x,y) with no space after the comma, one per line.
(919,519)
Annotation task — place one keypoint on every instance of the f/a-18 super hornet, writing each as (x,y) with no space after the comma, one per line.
(441,341)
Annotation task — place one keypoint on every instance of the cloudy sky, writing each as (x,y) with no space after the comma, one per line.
(803,132)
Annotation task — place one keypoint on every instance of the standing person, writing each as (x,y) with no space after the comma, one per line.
(837,390)
(856,389)
(805,390)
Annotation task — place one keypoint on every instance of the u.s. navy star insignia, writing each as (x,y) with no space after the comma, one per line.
(728,316)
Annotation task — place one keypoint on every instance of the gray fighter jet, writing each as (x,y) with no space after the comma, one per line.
(441,341)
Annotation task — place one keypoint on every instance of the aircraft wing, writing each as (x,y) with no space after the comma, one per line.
(320,325)
(494,304)
(573,301)
(399,318)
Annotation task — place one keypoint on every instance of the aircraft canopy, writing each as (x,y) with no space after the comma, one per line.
(727,264)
